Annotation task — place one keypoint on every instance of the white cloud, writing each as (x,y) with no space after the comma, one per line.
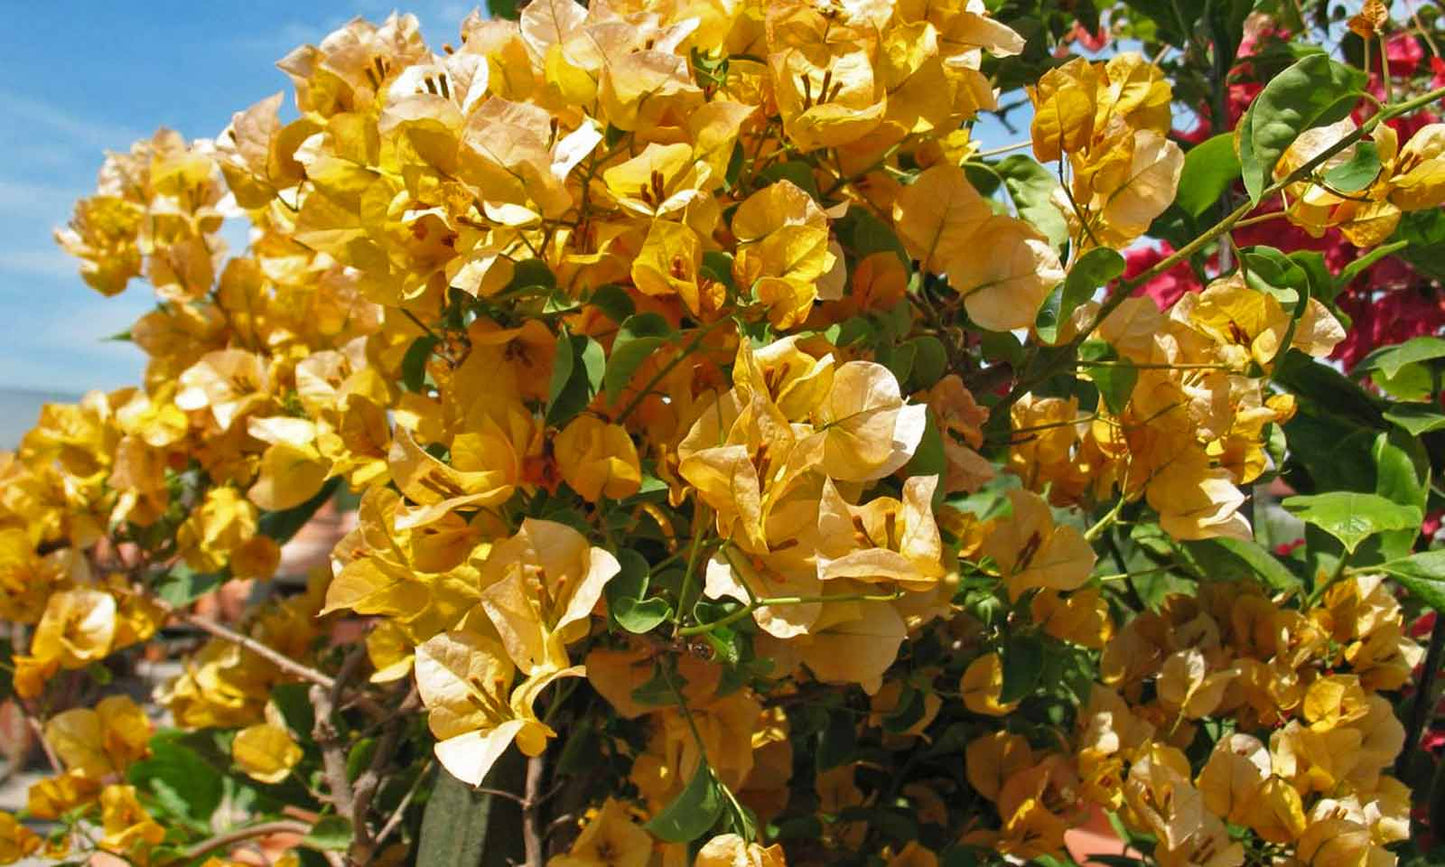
(39,263)
(20,111)
(30,198)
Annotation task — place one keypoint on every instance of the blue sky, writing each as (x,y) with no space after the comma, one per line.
(78,78)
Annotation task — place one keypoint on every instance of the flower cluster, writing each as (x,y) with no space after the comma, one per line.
(733,443)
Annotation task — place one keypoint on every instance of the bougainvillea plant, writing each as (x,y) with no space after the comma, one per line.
(749,466)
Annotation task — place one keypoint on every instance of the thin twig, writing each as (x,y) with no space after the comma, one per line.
(369,783)
(276,658)
(1420,707)
(50,755)
(333,753)
(239,835)
(500,793)
(394,821)
(531,807)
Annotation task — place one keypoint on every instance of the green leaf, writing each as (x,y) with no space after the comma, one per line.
(293,700)
(910,709)
(413,363)
(1392,359)
(182,585)
(838,742)
(1416,418)
(1271,271)
(627,592)
(1323,390)
(1402,475)
(564,361)
(1115,380)
(1358,172)
(930,362)
(358,758)
(1423,232)
(1209,168)
(330,834)
(869,235)
(1002,346)
(1236,558)
(1353,517)
(1023,664)
(1031,186)
(695,810)
(180,780)
(637,338)
(929,458)
(659,691)
(1092,270)
(718,266)
(282,524)
(613,301)
(503,9)
(1348,274)
(532,274)
(1423,575)
(898,358)
(466,828)
(576,375)
(797,172)
(1315,91)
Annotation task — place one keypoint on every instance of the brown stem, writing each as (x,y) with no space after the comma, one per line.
(276,658)
(531,807)
(221,841)
(333,753)
(394,821)
(369,783)
(1420,708)
(50,756)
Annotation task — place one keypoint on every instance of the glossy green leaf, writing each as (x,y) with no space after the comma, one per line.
(1092,270)
(1423,575)
(1023,663)
(583,362)
(1392,359)
(1357,267)
(503,9)
(1209,169)
(1417,418)
(627,596)
(330,833)
(930,362)
(868,235)
(797,172)
(413,363)
(1235,559)
(182,585)
(1353,517)
(462,827)
(1114,377)
(637,338)
(1315,91)
(1357,172)
(178,778)
(692,813)
(1031,186)
(614,302)
(282,524)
